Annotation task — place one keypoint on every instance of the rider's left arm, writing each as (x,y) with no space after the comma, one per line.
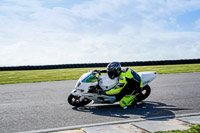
(122,83)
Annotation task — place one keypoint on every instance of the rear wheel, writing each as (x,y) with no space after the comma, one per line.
(75,101)
(145,93)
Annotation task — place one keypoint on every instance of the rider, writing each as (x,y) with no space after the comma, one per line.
(129,86)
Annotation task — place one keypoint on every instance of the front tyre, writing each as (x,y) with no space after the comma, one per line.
(75,101)
(142,96)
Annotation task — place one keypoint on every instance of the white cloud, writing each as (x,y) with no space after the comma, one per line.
(94,31)
(197,24)
(95,9)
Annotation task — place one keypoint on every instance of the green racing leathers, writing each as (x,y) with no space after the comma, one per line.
(129,86)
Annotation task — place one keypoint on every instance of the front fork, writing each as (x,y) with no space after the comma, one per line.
(78,93)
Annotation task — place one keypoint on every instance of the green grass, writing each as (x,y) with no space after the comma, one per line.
(194,129)
(29,76)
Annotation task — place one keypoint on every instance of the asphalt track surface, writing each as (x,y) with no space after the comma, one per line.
(37,106)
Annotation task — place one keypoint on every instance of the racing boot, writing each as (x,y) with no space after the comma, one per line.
(127,101)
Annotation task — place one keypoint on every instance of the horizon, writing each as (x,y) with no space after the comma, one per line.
(106,62)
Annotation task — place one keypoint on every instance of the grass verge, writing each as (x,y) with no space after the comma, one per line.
(30,76)
(194,129)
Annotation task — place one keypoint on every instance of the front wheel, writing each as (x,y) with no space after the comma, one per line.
(75,101)
(145,93)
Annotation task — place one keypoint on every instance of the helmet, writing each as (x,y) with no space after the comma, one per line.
(114,70)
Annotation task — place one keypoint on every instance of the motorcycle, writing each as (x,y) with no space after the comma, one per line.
(90,84)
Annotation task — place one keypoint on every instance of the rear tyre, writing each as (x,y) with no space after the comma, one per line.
(75,101)
(142,96)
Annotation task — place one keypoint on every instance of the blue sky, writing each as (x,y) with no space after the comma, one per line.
(43,32)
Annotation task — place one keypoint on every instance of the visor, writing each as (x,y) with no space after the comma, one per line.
(111,75)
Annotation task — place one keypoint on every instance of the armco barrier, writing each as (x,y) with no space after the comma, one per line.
(136,63)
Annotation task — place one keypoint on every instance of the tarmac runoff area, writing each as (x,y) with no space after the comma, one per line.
(150,125)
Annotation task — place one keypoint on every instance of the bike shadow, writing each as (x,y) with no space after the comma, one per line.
(144,109)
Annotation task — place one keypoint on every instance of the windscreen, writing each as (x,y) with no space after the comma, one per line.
(89,78)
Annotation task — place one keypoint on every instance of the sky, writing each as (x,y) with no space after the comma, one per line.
(48,32)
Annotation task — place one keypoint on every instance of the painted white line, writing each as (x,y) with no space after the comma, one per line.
(109,123)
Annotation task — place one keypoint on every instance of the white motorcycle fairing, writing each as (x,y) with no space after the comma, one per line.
(87,80)
(147,77)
